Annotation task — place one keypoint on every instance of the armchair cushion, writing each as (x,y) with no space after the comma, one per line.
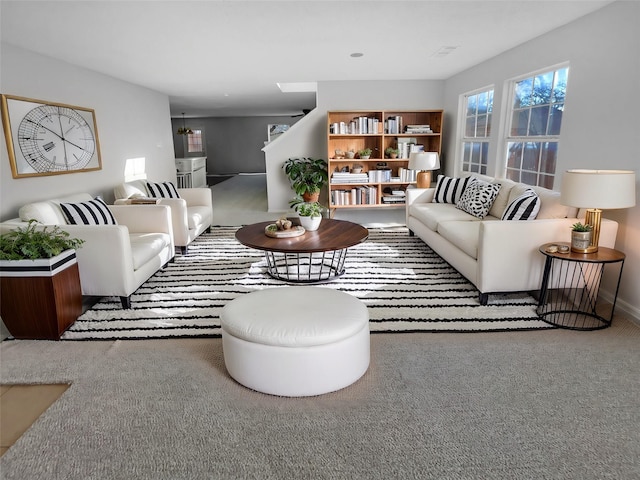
(93,212)
(162,190)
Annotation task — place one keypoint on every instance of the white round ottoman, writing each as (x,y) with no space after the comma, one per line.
(295,341)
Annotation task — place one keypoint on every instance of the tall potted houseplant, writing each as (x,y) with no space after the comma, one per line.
(40,287)
(307,176)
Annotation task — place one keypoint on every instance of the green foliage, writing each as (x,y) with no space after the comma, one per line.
(31,243)
(307,175)
(390,151)
(365,152)
(579,227)
(306,209)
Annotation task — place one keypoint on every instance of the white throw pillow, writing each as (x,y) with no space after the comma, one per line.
(477,198)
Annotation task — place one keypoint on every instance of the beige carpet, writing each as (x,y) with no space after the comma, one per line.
(550,404)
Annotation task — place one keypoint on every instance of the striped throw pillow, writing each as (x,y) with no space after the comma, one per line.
(162,190)
(93,212)
(449,190)
(524,207)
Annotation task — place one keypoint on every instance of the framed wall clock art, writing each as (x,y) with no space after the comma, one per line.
(46,138)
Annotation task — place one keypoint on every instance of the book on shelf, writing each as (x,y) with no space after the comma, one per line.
(393,124)
(393,199)
(418,129)
(356,196)
(378,176)
(344,177)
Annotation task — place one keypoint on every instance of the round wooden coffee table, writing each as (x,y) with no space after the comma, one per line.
(313,257)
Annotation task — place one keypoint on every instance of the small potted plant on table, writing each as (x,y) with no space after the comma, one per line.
(580,237)
(365,153)
(391,152)
(310,213)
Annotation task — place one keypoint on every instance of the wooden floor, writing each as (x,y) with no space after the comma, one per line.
(20,406)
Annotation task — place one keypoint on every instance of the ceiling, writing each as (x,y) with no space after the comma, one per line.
(225,57)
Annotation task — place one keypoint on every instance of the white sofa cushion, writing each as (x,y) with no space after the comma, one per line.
(197,215)
(463,235)
(431,214)
(49,212)
(502,200)
(145,246)
(550,206)
(478,197)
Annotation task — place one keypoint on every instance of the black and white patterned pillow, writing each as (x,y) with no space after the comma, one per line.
(449,190)
(524,207)
(93,212)
(477,198)
(162,190)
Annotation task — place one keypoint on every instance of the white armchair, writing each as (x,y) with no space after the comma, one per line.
(115,259)
(191,214)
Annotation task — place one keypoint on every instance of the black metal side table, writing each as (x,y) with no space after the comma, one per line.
(570,287)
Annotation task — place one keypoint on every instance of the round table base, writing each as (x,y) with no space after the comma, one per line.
(310,267)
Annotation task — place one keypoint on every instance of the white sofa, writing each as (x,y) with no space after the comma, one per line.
(115,259)
(497,256)
(191,214)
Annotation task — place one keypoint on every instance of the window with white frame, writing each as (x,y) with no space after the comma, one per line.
(533,132)
(194,145)
(478,109)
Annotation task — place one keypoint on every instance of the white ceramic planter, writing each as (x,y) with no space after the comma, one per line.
(43,267)
(310,223)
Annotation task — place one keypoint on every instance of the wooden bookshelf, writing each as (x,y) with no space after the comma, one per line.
(381,176)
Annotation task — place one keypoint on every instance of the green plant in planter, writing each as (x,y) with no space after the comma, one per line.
(306,209)
(391,152)
(307,175)
(365,152)
(579,227)
(32,243)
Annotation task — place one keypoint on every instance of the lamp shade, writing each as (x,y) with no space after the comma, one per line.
(424,161)
(602,189)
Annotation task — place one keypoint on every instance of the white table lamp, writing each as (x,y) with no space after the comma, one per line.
(598,190)
(424,162)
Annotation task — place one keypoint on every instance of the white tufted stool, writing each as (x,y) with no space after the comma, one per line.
(295,341)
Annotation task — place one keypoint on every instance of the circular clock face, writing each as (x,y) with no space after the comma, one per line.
(56,139)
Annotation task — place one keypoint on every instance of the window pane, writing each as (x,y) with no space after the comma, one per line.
(520,123)
(482,103)
(556,119)
(548,157)
(542,86)
(513,175)
(471,105)
(531,157)
(490,101)
(560,85)
(539,118)
(523,93)
(546,181)
(475,156)
(466,155)
(470,129)
(481,129)
(529,178)
(515,155)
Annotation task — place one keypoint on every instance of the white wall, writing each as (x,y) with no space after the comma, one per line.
(308,137)
(601,122)
(132,122)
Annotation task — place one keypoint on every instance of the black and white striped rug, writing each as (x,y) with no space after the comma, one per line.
(405,285)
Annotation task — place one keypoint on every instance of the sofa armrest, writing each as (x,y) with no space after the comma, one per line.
(417,195)
(143,218)
(196,196)
(508,251)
